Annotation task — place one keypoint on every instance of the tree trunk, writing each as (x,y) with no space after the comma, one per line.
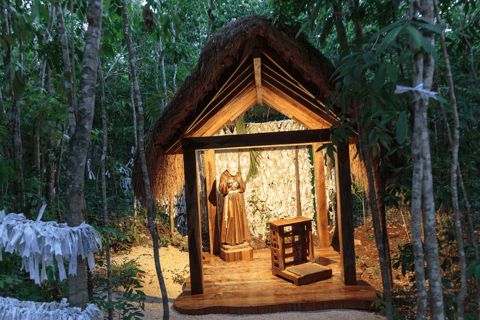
(57,176)
(75,173)
(72,112)
(50,163)
(164,78)
(141,145)
(38,168)
(422,188)
(17,132)
(416,224)
(174,34)
(48,29)
(454,172)
(375,189)
(157,58)
(104,187)
(74,78)
(379,191)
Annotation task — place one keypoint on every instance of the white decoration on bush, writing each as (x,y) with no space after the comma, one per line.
(418,88)
(125,183)
(13,309)
(90,172)
(41,242)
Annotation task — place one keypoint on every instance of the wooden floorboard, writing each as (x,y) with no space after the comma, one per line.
(248,287)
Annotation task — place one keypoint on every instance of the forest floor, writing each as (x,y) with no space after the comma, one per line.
(174,262)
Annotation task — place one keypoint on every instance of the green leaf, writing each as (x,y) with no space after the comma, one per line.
(392,72)
(427,46)
(301,29)
(315,11)
(471,269)
(402,127)
(415,35)
(379,78)
(114,232)
(18,87)
(388,28)
(357,72)
(477,272)
(327,28)
(369,57)
(389,38)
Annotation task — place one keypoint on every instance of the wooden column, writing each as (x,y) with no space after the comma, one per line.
(345,214)
(297,184)
(320,196)
(193,219)
(211,191)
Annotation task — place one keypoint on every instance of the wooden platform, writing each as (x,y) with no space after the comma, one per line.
(248,287)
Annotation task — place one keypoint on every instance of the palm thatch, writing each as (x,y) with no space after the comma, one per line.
(219,59)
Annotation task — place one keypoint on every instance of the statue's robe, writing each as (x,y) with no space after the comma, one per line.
(233,220)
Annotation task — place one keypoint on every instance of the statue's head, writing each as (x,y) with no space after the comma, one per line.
(232,167)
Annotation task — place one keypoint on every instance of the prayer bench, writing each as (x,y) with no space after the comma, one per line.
(292,251)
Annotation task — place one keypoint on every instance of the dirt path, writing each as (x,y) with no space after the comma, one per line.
(174,264)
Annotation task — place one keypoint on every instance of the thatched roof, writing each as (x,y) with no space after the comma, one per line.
(291,67)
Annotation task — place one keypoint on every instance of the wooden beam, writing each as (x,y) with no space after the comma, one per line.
(193,219)
(211,191)
(320,195)
(175,146)
(238,105)
(292,94)
(345,214)
(246,54)
(268,68)
(223,97)
(257,67)
(284,104)
(269,139)
(272,57)
(244,101)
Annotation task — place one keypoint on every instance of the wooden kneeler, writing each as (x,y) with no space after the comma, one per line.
(292,251)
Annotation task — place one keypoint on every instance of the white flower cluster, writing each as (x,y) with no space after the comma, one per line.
(13,309)
(41,242)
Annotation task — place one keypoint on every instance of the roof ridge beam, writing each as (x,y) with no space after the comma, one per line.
(257,67)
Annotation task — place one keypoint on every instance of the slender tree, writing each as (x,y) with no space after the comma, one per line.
(422,185)
(455,175)
(104,186)
(16,78)
(141,149)
(72,112)
(75,197)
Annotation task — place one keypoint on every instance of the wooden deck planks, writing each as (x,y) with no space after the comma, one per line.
(248,287)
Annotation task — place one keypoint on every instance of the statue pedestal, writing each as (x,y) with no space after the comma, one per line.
(231,253)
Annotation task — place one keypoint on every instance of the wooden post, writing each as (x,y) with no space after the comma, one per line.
(213,228)
(345,214)
(193,219)
(297,185)
(320,196)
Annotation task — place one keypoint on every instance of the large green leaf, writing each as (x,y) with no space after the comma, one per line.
(391,72)
(415,35)
(389,38)
(327,28)
(402,127)
(379,78)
